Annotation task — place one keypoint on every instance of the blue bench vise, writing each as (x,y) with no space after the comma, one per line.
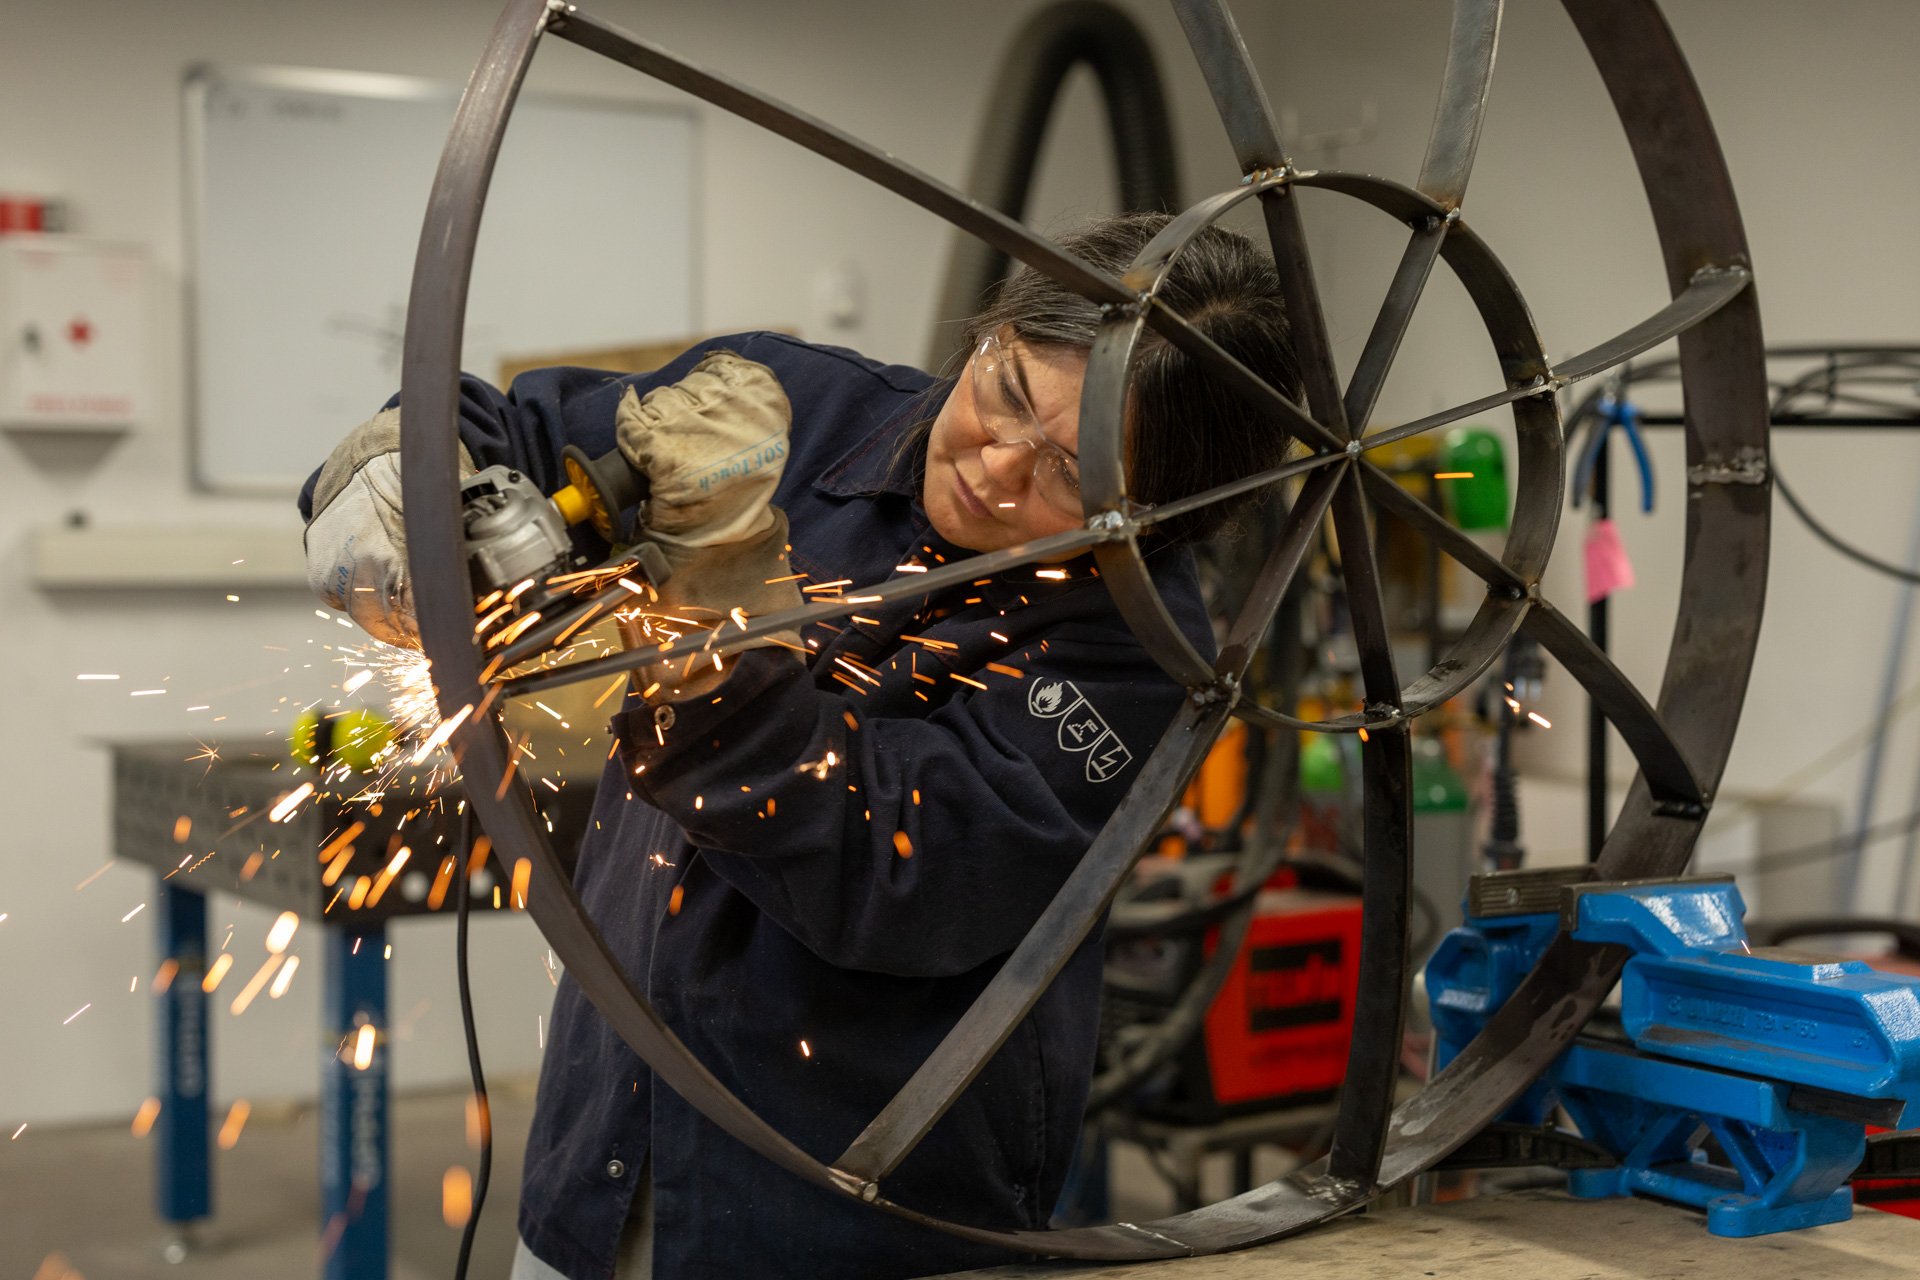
(1741,1080)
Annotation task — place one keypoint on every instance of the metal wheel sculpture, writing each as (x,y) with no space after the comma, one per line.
(1681,743)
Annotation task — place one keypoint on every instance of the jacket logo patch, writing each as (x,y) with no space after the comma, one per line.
(1080,727)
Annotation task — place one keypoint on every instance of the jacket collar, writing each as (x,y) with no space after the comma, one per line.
(874,465)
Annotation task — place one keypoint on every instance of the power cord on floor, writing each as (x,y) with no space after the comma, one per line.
(463,898)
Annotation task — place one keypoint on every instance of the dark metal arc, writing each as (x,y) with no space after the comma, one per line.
(1463,101)
(1707,670)
(1242,103)
(1386,758)
(443,601)
(1075,909)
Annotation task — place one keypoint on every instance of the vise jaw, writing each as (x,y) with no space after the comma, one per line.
(1747,1076)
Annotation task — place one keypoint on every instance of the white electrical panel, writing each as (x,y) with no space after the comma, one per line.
(73,341)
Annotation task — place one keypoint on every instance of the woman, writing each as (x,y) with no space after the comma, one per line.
(813,861)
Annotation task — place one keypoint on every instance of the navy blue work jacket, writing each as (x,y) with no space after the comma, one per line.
(824,862)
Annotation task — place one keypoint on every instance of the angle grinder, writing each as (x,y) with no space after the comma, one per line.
(513,533)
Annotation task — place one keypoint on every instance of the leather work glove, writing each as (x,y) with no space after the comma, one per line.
(357,539)
(713,447)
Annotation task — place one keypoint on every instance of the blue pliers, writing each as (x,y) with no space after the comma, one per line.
(1611,412)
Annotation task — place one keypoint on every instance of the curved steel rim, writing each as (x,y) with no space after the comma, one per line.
(1540,468)
(1707,670)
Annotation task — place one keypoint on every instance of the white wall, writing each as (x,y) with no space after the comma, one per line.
(1821,167)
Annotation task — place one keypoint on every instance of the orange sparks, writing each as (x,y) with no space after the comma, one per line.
(216,971)
(1453,475)
(966,680)
(522,878)
(930,642)
(356,680)
(163,979)
(236,1121)
(384,880)
(1539,719)
(1056,574)
(829,586)
(609,691)
(492,618)
(806,1050)
(143,1118)
(282,810)
(285,979)
(479,1120)
(1363,735)
(576,624)
(456,1196)
(443,731)
(357,898)
(514,630)
(342,840)
(902,845)
(363,1046)
(1006,670)
(282,932)
(674,900)
(848,716)
(337,868)
(442,881)
(254,985)
(182,828)
(477,856)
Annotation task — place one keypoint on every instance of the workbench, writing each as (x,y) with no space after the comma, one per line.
(1536,1235)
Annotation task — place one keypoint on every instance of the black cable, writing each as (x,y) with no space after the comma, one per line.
(463,898)
(1833,540)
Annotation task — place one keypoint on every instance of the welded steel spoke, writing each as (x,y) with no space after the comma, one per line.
(1366,1096)
(1242,381)
(1471,409)
(728,636)
(1235,488)
(1463,101)
(1034,964)
(1276,575)
(1373,1060)
(1482,563)
(1242,103)
(1669,776)
(1390,325)
(1006,234)
(1709,289)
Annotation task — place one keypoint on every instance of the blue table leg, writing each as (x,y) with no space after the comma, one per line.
(354,1143)
(183,1187)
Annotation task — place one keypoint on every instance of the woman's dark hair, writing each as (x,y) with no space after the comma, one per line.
(1186,431)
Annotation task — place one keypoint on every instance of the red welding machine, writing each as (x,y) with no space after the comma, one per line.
(1277,1034)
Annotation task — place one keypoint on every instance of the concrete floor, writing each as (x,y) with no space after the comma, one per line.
(86,1194)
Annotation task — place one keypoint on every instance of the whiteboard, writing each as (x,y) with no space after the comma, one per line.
(307,190)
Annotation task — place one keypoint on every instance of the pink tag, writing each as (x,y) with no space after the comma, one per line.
(1608,569)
